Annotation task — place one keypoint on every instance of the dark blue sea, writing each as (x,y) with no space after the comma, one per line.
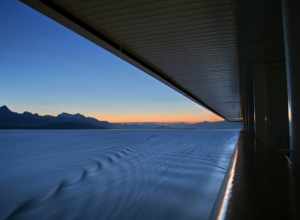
(113,174)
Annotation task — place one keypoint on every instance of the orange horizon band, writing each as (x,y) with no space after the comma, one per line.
(156,118)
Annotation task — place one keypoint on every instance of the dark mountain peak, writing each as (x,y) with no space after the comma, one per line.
(27,113)
(5,109)
(63,114)
(67,115)
(79,116)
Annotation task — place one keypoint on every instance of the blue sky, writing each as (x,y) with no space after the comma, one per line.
(47,68)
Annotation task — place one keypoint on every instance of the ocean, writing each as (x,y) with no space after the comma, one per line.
(122,174)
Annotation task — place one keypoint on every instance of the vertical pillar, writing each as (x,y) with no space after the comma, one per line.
(291,24)
(262,70)
(270,95)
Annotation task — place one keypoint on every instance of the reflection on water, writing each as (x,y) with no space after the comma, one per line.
(112,174)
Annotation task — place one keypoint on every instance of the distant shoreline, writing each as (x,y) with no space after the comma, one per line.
(10,120)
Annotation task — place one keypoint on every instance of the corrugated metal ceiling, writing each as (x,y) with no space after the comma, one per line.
(189,45)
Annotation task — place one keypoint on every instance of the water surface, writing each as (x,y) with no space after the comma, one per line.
(112,174)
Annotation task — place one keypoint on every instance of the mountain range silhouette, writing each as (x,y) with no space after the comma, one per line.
(28,120)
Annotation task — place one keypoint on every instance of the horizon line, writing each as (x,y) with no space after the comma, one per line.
(97,115)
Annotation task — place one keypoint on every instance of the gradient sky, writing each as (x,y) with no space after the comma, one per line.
(48,69)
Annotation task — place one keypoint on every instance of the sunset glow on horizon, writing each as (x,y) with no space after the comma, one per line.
(136,118)
(156,118)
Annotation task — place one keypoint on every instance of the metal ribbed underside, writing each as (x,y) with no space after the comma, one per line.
(190,45)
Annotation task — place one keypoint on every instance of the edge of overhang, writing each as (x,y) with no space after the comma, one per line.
(64,18)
